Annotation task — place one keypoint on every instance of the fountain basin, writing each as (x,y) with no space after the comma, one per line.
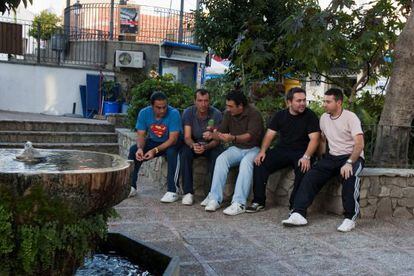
(155,260)
(86,181)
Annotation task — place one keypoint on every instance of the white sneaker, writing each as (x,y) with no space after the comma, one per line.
(235,209)
(187,199)
(169,197)
(212,206)
(346,226)
(205,201)
(295,219)
(132,192)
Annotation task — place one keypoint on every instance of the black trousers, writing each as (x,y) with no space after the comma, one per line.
(275,160)
(187,157)
(318,176)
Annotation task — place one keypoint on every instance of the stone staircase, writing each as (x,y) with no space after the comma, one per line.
(65,134)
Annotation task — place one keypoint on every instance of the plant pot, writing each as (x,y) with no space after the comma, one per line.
(111,107)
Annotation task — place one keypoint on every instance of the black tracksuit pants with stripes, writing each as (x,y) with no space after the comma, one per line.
(317,177)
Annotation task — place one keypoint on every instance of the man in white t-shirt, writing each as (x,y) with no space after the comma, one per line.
(342,129)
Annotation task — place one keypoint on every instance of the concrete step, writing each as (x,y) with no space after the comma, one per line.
(57,137)
(63,126)
(101,147)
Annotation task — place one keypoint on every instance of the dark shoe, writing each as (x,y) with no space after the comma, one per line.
(255,207)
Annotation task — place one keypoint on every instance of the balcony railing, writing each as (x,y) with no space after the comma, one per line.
(21,41)
(143,24)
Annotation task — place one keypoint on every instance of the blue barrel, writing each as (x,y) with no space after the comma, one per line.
(111,107)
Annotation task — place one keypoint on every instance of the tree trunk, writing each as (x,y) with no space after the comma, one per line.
(393,133)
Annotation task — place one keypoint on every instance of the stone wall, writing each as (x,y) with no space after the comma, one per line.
(384,192)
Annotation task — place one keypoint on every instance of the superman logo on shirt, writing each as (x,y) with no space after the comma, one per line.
(158,129)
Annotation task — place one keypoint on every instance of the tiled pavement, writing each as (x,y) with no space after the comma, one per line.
(257,244)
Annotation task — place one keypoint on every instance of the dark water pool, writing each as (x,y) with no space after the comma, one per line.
(109,264)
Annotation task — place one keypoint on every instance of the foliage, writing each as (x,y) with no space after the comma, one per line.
(45,25)
(134,78)
(218,88)
(368,107)
(110,90)
(41,236)
(9,5)
(268,38)
(344,36)
(179,95)
(247,32)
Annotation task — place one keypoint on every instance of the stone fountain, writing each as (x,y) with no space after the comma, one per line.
(84,185)
(86,181)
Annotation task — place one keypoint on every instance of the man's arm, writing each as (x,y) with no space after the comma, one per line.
(227,137)
(304,162)
(172,140)
(141,134)
(346,169)
(358,147)
(267,140)
(212,144)
(188,137)
(313,143)
(322,145)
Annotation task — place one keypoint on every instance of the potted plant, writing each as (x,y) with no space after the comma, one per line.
(111,93)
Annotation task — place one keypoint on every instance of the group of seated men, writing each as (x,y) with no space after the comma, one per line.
(203,130)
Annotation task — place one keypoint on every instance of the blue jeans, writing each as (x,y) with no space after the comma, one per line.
(232,157)
(173,159)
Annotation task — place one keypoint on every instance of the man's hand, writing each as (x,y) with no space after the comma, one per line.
(149,155)
(139,155)
(198,149)
(259,158)
(225,137)
(304,164)
(346,171)
(207,135)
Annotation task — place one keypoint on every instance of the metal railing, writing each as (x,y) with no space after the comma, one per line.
(137,23)
(21,41)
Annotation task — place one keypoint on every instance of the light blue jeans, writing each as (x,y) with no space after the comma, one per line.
(234,156)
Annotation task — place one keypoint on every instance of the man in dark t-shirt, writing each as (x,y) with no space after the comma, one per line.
(298,131)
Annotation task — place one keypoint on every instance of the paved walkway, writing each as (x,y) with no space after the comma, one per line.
(257,244)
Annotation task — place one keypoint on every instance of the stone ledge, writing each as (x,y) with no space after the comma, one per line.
(387,172)
(385,192)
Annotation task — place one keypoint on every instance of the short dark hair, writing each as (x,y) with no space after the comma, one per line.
(337,93)
(157,96)
(202,92)
(237,96)
(293,91)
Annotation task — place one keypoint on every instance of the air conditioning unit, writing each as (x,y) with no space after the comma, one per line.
(130,59)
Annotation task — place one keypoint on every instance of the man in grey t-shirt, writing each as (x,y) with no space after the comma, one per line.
(197,119)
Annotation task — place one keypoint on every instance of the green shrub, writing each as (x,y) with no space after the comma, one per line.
(41,236)
(218,89)
(179,95)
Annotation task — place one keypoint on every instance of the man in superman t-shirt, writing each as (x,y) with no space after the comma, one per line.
(159,132)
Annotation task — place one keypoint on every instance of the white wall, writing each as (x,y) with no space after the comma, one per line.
(41,89)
